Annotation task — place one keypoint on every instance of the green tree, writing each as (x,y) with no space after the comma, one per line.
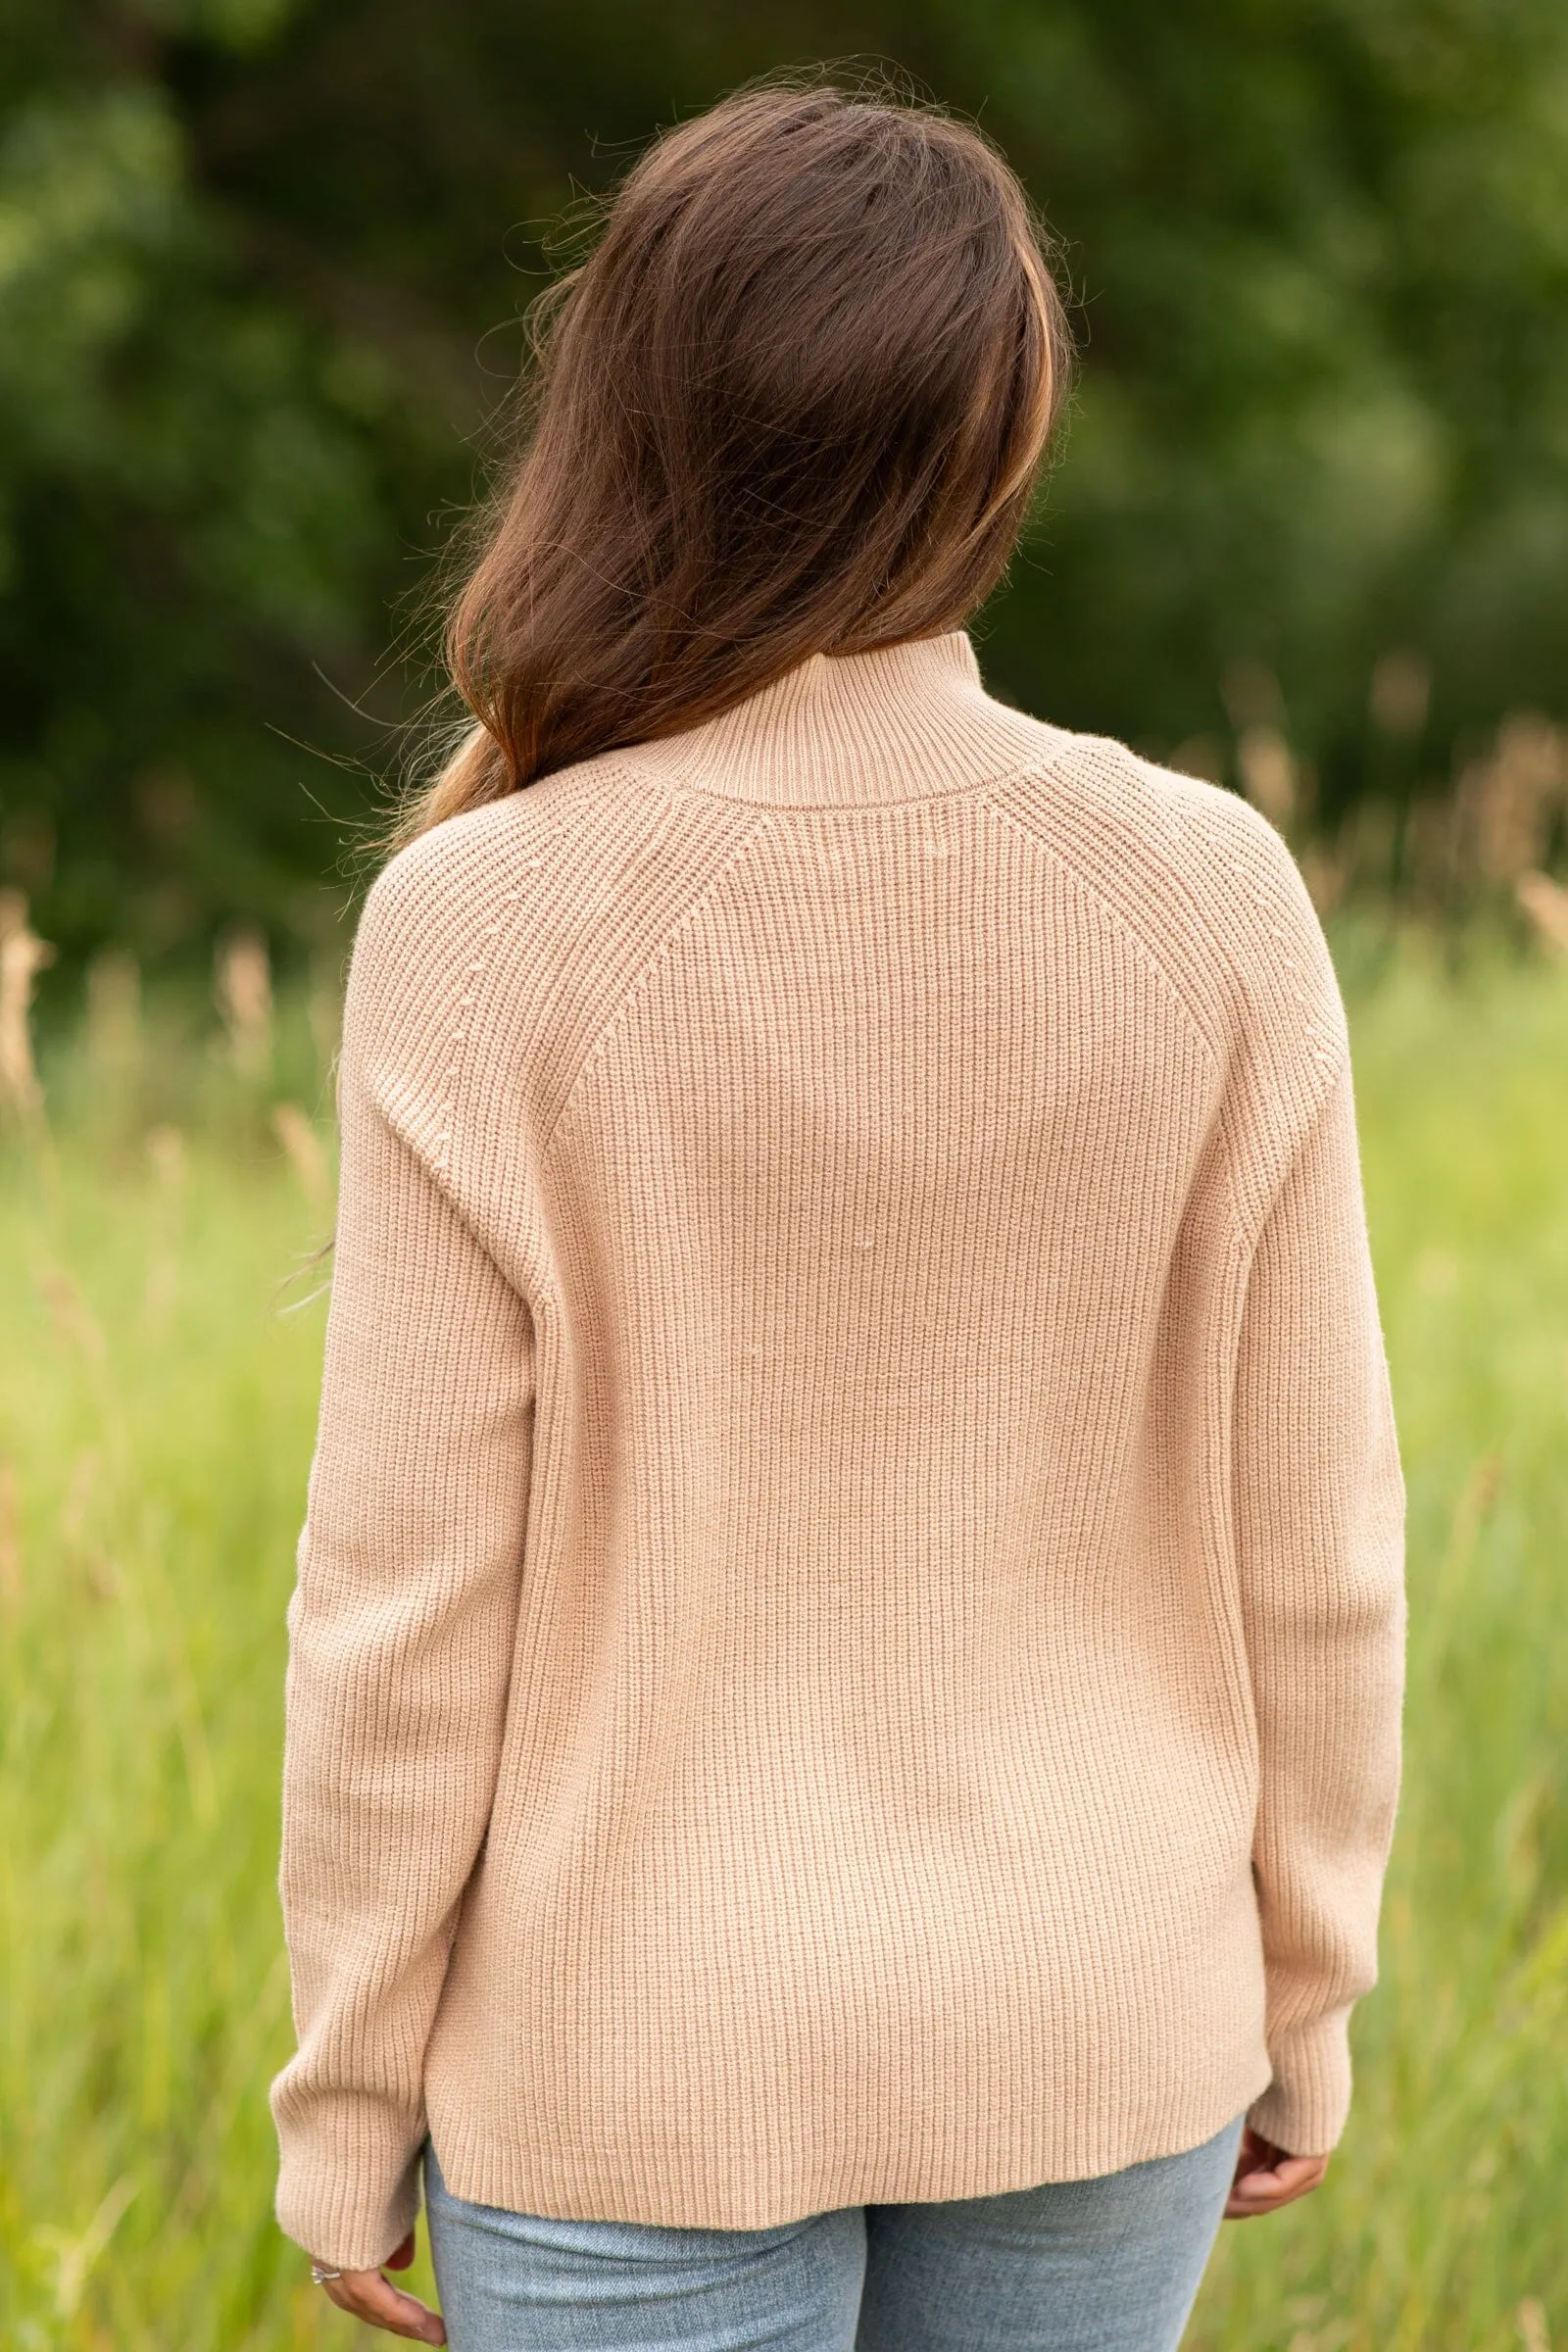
(261,263)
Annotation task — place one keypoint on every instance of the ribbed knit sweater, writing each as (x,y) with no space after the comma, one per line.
(849,1633)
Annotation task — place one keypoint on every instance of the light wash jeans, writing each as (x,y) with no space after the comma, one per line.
(1110,2265)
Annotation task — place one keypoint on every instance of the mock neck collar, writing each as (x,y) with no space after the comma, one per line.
(842,730)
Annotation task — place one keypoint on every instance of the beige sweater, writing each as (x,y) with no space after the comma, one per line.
(849,1633)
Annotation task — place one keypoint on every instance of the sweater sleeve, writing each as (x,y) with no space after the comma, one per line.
(400,1631)
(1319,1515)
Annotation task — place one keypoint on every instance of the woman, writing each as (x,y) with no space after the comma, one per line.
(844,1684)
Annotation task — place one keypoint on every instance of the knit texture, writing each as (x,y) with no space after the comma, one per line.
(849,1634)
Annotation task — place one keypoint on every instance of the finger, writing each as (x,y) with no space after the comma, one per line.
(1250,2197)
(1259,2192)
(1296,2175)
(1265,2191)
(1279,2166)
(404,2318)
(366,2295)
(400,2256)
(1263,2187)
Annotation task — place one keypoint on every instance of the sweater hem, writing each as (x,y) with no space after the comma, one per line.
(481,2171)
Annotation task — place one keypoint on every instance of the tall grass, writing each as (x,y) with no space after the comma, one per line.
(1443,2224)
(159,1352)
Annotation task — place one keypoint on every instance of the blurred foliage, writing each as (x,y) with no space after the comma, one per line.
(262,268)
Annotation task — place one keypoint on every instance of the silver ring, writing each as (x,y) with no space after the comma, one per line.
(320,2277)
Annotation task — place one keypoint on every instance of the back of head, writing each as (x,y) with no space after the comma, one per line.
(793,403)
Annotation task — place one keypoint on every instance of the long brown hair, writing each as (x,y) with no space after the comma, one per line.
(794,402)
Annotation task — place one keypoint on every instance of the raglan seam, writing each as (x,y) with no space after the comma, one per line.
(1250,1231)
(1173,829)
(1113,915)
(474,979)
(643,978)
(475,973)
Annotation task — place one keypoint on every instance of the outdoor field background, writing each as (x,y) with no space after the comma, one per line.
(265,274)
(159,1337)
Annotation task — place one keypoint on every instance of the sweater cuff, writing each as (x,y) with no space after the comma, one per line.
(1304,2107)
(348,2186)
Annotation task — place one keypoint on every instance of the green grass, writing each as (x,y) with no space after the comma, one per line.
(156,1413)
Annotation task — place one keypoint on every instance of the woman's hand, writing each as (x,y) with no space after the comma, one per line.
(1266,2178)
(370,2297)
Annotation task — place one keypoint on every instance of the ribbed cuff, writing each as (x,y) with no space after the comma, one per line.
(348,2185)
(1304,2107)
